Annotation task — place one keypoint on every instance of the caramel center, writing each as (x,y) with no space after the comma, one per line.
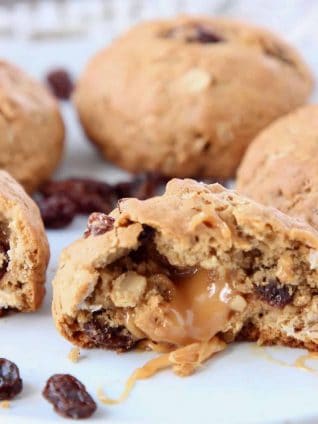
(198,311)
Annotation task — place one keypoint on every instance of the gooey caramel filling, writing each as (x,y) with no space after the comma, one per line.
(199,309)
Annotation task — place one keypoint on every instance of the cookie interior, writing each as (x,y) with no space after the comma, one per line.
(261,288)
(15,268)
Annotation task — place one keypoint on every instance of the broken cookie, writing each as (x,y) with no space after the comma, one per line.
(24,250)
(195,264)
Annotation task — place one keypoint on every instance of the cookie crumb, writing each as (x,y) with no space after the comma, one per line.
(5,404)
(74,354)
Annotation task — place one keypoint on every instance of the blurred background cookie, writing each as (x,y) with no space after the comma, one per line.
(185,96)
(280,167)
(31,128)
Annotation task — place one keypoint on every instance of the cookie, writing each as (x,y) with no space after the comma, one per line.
(181,268)
(185,96)
(24,249)
(31,127)
(280,166)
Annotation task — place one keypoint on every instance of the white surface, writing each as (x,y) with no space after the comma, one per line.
(238,386)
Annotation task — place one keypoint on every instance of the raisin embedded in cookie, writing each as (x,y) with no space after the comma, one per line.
(185,96)
(31,128)
(24,250)
(280,166)
(198,262)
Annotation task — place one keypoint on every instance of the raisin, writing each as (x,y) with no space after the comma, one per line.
(274,293)
(60,201)
(75,187)
(10,381)
(145,185)
(4,258)
(57,211)
(69,396)
(98,223)
(205,35)
(146,234)
(4,312)
(106,337)
(88,195)
(60,83)
(194,34)
(142,186)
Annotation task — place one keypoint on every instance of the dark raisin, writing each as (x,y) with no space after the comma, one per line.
(84,196)
(76,187)
(60,83)
(145,185)
(7,311)
(194,34)
(142,186)
(249,261)
(274,293)
(205,35)
(146,234)
(10,381)
(69,397)
(88,195)
(123,189)
(57,211)
(4,258)
(98,223)
(106,337)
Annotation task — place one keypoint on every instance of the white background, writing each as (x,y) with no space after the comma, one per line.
(239,386)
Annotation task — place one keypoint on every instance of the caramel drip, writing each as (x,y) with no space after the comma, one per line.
(300,362)
(148,370)
(198,311)
(184,361)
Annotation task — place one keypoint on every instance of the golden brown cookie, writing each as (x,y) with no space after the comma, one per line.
(31,128)
(24,249)
(178,269)
(280,167)
(185,96)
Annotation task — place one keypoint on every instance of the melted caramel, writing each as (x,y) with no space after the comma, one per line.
(183,361)
(300,362)
(199,309)
(148,370)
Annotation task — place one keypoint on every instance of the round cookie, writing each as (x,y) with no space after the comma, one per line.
(24,249)
(280,167)
(31,128)
(185,96)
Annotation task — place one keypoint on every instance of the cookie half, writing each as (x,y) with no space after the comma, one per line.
(24,250)
(186,96)
(181,268)
(31,127)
